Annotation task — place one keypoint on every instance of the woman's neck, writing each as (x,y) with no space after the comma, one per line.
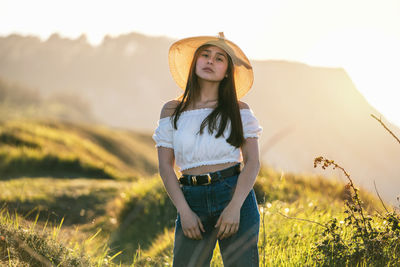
(208,91)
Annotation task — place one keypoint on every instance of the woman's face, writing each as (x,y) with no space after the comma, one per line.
(211,64)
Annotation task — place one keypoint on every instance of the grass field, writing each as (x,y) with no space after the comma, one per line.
(80,195)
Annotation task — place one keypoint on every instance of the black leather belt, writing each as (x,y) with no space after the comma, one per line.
(209,178)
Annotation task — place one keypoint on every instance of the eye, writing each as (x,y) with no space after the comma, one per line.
(204,55)
(220,59)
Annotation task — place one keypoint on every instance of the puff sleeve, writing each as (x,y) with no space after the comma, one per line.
(163,135)
(251,128)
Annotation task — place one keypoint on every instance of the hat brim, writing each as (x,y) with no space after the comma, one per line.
(181,55)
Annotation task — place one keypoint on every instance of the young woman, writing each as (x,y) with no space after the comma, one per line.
(207,132)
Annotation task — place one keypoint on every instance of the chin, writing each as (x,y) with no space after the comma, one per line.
(209,79)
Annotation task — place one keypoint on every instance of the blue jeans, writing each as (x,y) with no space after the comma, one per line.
(208,202)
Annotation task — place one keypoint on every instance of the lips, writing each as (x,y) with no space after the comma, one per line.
(208,69)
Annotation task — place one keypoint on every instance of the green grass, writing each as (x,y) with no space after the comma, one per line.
(139,215)
(80,201)
(286,241)
(110,207)
(283,241)
(21,246)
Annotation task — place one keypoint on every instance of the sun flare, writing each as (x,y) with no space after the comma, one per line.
(374,73)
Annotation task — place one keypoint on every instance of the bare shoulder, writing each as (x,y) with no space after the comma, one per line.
(243,105)
(168,108)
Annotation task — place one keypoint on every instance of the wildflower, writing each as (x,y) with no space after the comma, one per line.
(287,210)
(310,204)
(269,205)
(341,222)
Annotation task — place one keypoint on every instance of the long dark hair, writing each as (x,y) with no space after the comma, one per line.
(226,110)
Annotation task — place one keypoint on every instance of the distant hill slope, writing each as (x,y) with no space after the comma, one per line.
(19,100)
(32,148)
(306,111)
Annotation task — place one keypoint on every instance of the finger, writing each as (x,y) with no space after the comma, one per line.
(191,235)
(194,232)
(197,233)
(218,222)
(228,231)
(188,234)
(221,230)
(236,228)
(201,225)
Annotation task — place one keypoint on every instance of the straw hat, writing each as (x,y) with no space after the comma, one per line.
(181,56)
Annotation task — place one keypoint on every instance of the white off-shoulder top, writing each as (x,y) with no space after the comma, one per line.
(192,149)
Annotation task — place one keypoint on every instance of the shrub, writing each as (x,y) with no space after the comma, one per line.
(361,238)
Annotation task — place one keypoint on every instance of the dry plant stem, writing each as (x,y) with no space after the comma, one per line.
(300,219)
(305,220)
(353,215)
(383,204)
(381,122)
(395,137)
(355,192)
(329,162)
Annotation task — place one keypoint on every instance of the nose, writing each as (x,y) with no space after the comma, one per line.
(210,60)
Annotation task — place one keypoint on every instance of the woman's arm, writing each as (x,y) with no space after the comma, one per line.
(191,223)
(249,173)
(228,222)
(166,162)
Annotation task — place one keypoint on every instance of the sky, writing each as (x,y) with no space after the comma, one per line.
(363,37)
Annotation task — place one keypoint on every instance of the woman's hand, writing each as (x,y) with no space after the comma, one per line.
(191,224)
(228,221)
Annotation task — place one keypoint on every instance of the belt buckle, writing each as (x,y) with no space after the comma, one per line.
(208,179)
(194,180)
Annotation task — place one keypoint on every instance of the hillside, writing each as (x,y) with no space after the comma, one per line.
(127,217)
(18,100)
(306,111)
(30,148)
